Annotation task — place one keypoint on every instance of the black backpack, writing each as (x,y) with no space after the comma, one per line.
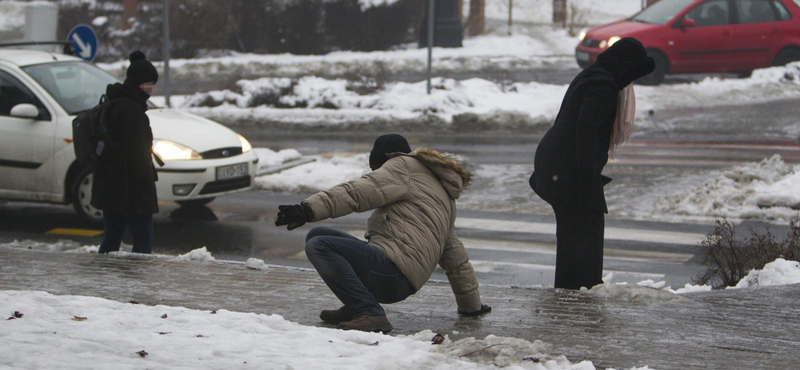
(90,134)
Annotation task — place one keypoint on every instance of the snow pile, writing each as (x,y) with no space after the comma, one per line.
(268,157)
(73,332)
(614,291)
(689,288)
(767,189)
(448,97)
(325,172)
(778,272)
(199,254)
(255,264)
(335,101)
(61,245)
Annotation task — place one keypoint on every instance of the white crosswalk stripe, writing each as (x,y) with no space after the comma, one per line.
(611,233)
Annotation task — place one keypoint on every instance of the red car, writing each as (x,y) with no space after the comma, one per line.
(705,36)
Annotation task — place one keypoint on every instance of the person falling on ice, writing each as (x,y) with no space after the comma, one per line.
(411,230)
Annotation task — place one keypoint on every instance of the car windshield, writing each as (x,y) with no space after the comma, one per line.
(77,86)
(662,11)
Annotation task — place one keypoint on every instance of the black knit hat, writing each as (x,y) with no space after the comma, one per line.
(627,61)
(389,143)
(141,70)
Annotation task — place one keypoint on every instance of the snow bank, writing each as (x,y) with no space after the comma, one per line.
(199,254)
(778,272)
(767,189)
(329,102)
(325,172)
(73,332)
(268,157)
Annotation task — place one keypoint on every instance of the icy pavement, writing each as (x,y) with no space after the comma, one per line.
(628,327)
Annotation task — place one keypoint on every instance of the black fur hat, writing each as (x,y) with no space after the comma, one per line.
(141,70)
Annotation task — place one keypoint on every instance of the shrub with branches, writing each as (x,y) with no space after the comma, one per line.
(730,259)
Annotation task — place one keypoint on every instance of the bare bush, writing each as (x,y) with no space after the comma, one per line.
(730,259)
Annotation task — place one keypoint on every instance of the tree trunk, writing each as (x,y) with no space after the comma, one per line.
(560,12)
(130,9)
(476,23)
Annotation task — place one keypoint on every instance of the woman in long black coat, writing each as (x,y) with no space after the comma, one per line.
(571,156)
(124,180)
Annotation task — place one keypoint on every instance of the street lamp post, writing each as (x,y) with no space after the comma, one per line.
(166,53)
(431,5)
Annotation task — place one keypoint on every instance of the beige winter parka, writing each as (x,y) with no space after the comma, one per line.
(414,220)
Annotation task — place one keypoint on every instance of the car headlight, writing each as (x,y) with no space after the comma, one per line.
(613,40)
(582,36)
(172,151)
(246,147)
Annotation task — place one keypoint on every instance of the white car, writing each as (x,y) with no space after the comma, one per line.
(40,94)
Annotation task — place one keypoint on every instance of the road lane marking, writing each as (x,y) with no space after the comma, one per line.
(611,233)
(74,232)
(550,249)
(491,266)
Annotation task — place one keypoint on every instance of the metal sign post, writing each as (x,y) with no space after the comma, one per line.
(166,53)
(431,4)
(510,13)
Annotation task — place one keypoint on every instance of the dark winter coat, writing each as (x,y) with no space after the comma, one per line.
(572,154)
(124,180)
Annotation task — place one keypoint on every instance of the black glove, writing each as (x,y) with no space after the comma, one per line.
(294,216)
(484,309)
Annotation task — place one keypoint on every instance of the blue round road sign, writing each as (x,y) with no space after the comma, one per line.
(84,42)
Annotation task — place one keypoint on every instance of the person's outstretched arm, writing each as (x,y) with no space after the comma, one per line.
(455,263)
(383,186)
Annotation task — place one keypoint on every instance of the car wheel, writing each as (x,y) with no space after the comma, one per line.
(661,70)
(194,202)
(786,56)
(82,197)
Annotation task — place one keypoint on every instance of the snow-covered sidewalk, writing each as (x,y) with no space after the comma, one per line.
(74,332)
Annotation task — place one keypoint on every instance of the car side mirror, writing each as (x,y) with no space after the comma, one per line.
(25,110)
(688,23)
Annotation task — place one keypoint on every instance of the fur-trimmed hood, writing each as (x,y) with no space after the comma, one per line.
(453,176)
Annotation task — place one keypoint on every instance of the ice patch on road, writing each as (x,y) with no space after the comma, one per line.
(122,335)
(764,190)
(778,272)
(62,245)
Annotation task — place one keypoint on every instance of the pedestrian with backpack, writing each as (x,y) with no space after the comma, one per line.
(124,180)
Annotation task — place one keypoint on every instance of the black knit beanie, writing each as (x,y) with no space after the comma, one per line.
(389,143)
(141,70)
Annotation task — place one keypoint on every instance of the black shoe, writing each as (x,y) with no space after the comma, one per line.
(336,317)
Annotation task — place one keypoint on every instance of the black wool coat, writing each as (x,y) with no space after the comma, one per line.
(125,178)
(572,154)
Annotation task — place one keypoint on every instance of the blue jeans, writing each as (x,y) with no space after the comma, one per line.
(360,275)
(141,229)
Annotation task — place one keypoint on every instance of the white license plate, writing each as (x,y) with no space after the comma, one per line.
(234,170)
(582,56)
